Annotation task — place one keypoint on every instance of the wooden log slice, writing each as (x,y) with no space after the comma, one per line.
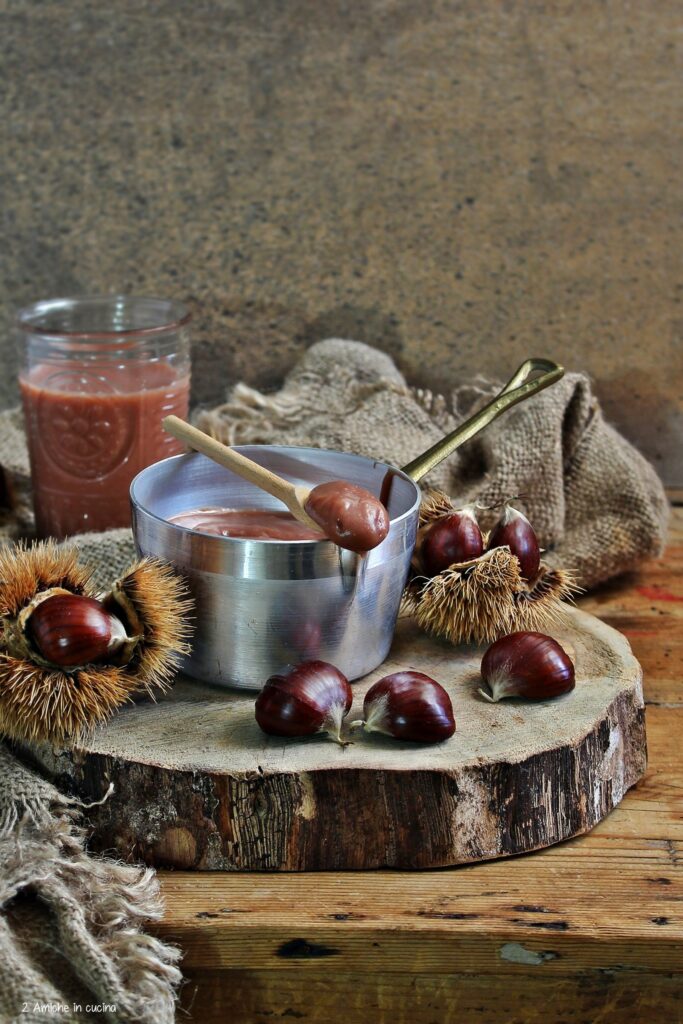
(198,785)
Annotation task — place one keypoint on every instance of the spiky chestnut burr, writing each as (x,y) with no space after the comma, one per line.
(154,601)
(482,599)
(43,700)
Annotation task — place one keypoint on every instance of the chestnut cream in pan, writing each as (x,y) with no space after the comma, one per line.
(247,523)
(348,515)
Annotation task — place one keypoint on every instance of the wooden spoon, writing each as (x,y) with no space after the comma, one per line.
(347,514)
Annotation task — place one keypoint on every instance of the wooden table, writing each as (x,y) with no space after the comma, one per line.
(589,930)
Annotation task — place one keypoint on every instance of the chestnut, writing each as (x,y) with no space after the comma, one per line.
(450,539)
(70,630)
(526,664)
(514,531)
(313,697)
(408,705)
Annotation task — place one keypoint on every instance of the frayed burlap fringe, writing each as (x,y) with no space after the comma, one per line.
(70,923)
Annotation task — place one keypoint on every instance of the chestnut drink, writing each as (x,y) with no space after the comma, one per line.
(348,515)
(90,431)
(362,525)
(98,376)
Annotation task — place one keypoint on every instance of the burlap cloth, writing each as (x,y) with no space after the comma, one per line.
(71,926)
(596,503)
(72,946)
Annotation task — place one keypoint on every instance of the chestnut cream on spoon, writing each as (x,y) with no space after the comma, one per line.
(346,514)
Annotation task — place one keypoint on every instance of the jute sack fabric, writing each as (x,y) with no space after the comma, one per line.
(72,946)
(596,503)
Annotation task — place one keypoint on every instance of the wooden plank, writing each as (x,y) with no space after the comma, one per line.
(594,903)
(659,649)
(425,952)
(326,995)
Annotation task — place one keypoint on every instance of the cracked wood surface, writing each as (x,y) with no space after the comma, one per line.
(589,930)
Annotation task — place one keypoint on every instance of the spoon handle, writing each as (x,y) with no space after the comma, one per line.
(228,457)
(517,389)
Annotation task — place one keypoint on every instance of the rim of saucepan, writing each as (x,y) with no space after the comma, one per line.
(221,541)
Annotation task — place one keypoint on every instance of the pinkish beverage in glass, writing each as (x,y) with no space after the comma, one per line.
(98,376)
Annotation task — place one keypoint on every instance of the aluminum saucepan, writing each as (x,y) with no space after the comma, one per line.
(264,605)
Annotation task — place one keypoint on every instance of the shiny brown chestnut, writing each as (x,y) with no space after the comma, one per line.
(513,530)
(530,665)
(408,706)
(450,539)
(313,697)
(349,515)
(70,630)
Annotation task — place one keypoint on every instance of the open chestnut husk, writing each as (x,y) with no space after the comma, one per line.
(526,664)
(313,697)
(408,705)
(481,599)
(69,657)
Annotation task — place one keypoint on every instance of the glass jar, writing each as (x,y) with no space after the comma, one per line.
(97,377)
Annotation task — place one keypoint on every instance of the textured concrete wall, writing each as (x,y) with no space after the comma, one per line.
(460,183)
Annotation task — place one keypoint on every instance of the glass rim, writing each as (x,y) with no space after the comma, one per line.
(180,316)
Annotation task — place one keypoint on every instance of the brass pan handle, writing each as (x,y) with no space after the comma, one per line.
(517,389)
